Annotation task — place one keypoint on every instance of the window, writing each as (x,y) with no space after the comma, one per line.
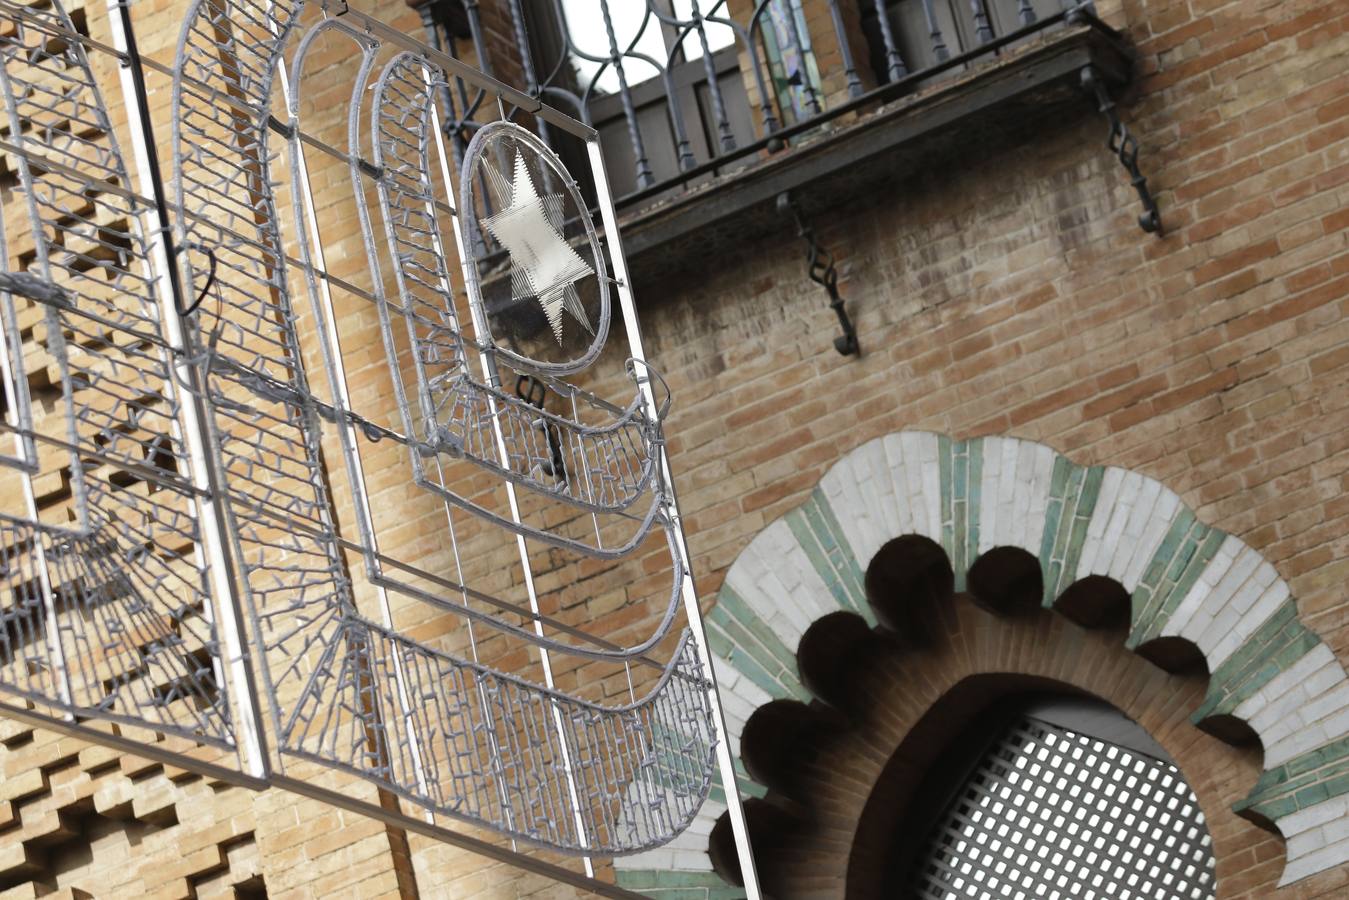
(688,78)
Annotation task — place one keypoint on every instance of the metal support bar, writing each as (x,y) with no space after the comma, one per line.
(821,270)
(246,719)
(725,763)
(493,378)
(1125,146)
(314,260)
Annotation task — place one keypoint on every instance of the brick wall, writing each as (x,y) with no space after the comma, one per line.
(1010,293)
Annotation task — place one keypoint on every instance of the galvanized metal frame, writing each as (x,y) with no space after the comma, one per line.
(369,686)
(118,597)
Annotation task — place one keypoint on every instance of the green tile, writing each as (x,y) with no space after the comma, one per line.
(974,483)
(1275,645)
(1083,505)
(1192,558)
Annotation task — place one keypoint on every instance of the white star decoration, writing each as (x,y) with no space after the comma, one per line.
(544,265)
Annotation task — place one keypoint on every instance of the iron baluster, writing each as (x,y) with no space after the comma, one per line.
(821,270)
(455,125)
(1124,145)
(645,178)
(845,50)
(532,85)
(934,32)
(713,87)
(772,122)
(1025,12)
(800,45)
(673,34)
(894,64)
(982,29)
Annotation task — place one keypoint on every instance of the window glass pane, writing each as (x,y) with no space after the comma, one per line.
(636,30)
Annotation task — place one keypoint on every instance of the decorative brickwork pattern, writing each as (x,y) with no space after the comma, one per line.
(1186,579)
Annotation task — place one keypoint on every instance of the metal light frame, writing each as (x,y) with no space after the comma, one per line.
(239,463)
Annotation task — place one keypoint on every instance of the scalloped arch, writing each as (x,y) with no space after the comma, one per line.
(1186,580)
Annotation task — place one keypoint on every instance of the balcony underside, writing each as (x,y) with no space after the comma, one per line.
(894,133)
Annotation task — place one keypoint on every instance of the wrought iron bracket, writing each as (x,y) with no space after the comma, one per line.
(534,392)
(1124,145)
(820,269)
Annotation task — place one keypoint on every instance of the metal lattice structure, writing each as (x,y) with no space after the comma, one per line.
(105,597)
(196,523)
(1050,813)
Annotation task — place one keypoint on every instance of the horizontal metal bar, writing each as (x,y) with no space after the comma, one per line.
(239,779)
(23,14)
(98,184)
(147,473)
(330,150)
(873,97)
(135,748)
(452,66)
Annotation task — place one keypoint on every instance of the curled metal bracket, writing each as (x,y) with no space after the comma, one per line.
(821,270)
(1124,145)
(533,391)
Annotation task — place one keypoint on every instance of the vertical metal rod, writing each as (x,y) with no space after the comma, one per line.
(313,256)
(845,49)
(725,764)
(770,121)
(894,64)
(806,83)
(447,290)
(432,31)
(1025,12)
(713,85)
(248,734)
(52,633)
(982,29)
(643,168)
(489,368)
(663,10)
(934,32)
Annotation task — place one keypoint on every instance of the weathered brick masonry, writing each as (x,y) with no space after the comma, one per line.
(1008,294)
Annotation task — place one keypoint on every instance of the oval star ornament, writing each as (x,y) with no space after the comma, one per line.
(535,272)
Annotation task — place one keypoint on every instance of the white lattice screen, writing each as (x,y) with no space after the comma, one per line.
(1049,814)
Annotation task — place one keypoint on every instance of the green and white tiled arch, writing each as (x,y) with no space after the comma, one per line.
(1186,580)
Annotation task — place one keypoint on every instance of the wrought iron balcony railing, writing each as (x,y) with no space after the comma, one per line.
(683,90)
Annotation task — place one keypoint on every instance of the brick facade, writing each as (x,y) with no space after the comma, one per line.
(1009,297)
(1076,527)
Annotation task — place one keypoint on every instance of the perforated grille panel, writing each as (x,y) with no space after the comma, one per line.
(1053,815)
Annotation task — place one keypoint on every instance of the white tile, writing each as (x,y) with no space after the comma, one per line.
(1315,816)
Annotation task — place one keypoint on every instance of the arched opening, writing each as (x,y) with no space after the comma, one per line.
(908,575)
(1094,602)
(1006,580)
(1094,580)
(829,652)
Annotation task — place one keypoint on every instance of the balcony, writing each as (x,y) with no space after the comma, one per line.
(708,110)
